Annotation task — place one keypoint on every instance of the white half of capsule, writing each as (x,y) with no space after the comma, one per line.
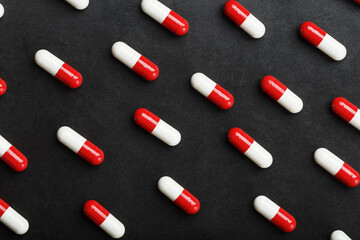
(291,102)
(170,188)
(2,10)
(331,47)
(253,26)
(203,84)
(155,9)
(79,4)
(70,138)
(167,133)
(4,146)
(329,161)
(125,54)
(48,61)
(266,207)
(259,155)
(13,220)
(355,121)
(113,227)
(339,235)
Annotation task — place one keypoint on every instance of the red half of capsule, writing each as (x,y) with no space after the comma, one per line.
(272,87)
(15,159)
(2,87)
(348,175)
(236,12)
(239,139)
(3,207)
(187,202)
(69,76)
(312,33)
(284,221)
(146,69)
(358,1)
(146,119)
(96,212)
(221,97)
(343,108)
(176,24)
(91,153)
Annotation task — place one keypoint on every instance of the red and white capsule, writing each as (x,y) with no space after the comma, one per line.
(275,214)
(337,167)
(244,19)
(323,41)
(339,235)
(79,4)
(212,91)
(80,145)
(347,111)
(250,148)
(58,68)
(3,87)
(104,219)
(12,219)
(135,61)
(157,127)
(165,16)
(12,156)
(281,94)
(179,195)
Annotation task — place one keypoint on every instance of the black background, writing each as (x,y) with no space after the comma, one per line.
(52,190)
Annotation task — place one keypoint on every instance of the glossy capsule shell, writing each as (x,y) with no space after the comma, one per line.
(59,69)
(336,167)
(347,111)
(339,235)
(212,91)
(250,148)
(323,41)
(244,19)
(2,10)
(79,4)
(281,94)
(12,219)
(180,196)
(12,156)
(3,87)
(165,16)
(80,145)
(275,214)
(157,127)
(135,61)
(104,219)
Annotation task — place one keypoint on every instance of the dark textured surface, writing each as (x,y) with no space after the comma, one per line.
(51,192)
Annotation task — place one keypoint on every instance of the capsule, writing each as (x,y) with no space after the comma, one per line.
(339,235)
(79,4)
(347,111)
(275,214)
(244,19)
(281,94)
(56,67)
(3,87)
(12,219)
(157,127)
(2,10)
(179,195)
(105,220)
(165,16)
(250,148)
(212,91)
(11,156)
(337,167)
(135,61)
(81,146)
(323,41)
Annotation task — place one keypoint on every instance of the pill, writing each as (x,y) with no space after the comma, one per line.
(250,148)
(212,91)
(347,111)
(81,146)
(12,219)
(11,156)
(2,10)
(165,16)
(157,127)
(79,4)
(179,195)
(339,235)
(280,93)
(3,87)
(275,214)
(135,61)
(244,19)
(104,219)
(323,41)
(56,67)
(336,167)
